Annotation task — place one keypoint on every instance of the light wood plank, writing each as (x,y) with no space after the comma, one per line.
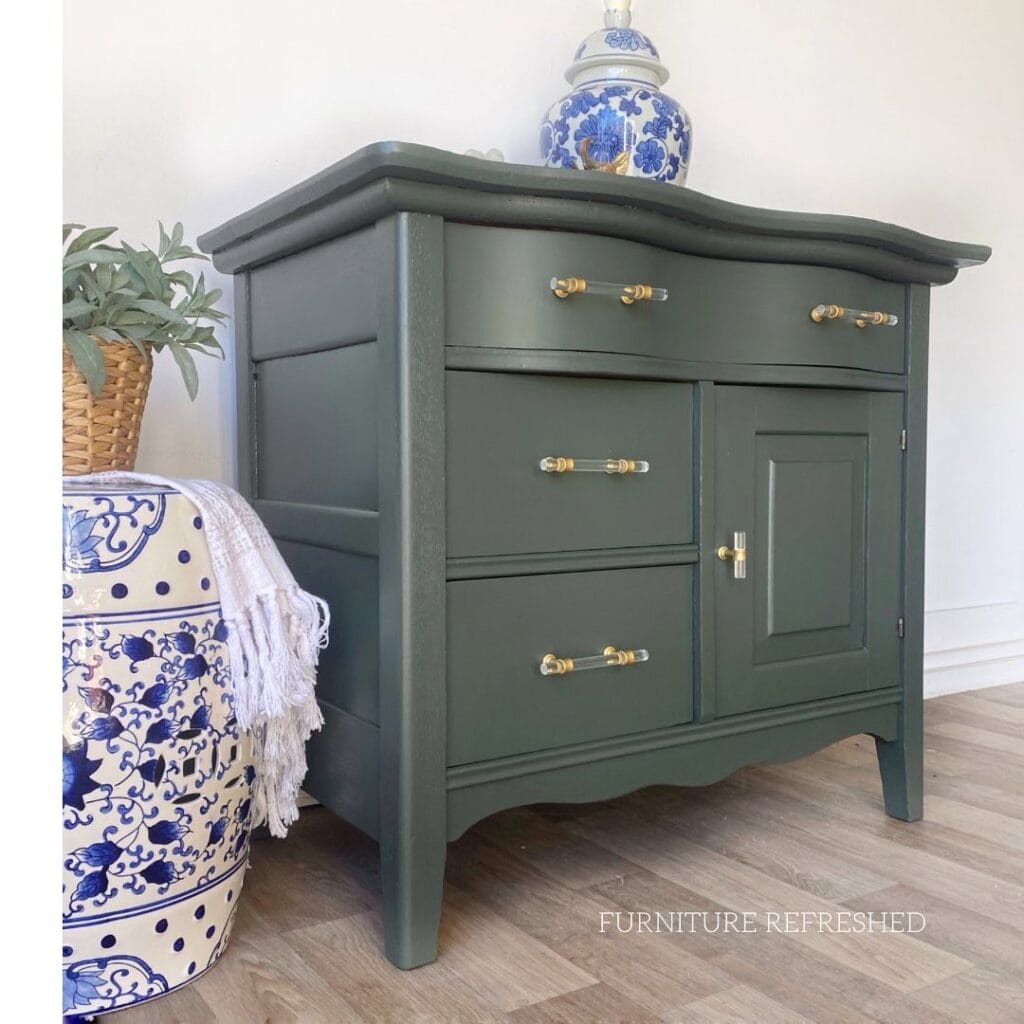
(298,884)
(974,709)
(183,1006)
(738,1005)
(1011,694)
(584,1006)
(1010,746)
(347,954)
(499,961)
(968,818)
(486,965)
(260,978)
(527,898)
(655,971)
(979,997)
(753,840)
(953,928)
(796,792)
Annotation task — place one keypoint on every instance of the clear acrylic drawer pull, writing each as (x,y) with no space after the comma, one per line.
(627,294)
(860,317)
(563,464)
(737,554)
(610,657)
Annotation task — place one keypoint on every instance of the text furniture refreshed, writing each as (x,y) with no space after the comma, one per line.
(579,536)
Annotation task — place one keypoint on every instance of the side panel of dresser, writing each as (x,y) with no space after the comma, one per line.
(307,355)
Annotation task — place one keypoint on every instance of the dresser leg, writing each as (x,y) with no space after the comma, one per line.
(901,764)
(412,877)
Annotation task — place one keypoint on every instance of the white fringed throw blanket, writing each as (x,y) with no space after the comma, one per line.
(275,634)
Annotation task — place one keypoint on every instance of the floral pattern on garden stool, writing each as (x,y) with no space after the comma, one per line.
(156,774)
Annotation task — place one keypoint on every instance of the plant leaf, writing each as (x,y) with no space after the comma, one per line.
(106,333)
(89,238)
(150,276)
(122,278)
(87,357)
(141,346)
(97,256)
(160,309)
(130,319)
(68,228)
(212,344)
(104,276)
(77,307)
(87,282)
(184,278)
(135,332)
(187,365)
(183,252)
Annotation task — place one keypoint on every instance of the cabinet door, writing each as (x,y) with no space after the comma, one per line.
(813,477)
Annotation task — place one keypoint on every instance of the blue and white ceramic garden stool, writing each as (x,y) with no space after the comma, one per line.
(156,774)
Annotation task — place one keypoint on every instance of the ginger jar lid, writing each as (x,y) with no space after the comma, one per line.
(617,51)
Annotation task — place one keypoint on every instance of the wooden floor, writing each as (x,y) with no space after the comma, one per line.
(520,940)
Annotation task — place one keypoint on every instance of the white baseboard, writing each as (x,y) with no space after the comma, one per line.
(973,668)
(973,646)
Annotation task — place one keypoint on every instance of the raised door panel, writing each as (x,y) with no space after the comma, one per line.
(813,478)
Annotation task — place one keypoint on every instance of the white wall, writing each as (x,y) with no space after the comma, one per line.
(908,111)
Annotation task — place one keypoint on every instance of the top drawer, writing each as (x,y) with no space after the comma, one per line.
(498,296)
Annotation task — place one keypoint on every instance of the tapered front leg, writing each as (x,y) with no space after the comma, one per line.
(901,763)
(412,876)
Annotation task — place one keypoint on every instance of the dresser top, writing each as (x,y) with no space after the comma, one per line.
(387,177)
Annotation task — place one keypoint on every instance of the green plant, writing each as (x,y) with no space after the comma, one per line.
(121,294)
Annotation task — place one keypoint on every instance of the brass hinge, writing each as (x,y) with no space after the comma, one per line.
(903,439)
(900,627)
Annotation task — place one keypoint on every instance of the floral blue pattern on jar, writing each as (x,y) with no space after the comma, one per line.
(617,119)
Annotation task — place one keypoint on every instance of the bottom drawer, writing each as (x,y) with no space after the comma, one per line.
(499,631)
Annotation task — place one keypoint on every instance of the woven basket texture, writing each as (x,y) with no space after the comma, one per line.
(101,432)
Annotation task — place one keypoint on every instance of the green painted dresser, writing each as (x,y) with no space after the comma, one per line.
(575,545)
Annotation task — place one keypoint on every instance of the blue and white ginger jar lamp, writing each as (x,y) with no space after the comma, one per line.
(616,119)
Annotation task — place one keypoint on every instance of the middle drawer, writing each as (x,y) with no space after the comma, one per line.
(501,426)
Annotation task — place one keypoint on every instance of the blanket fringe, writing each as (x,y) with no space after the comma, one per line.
(282,632)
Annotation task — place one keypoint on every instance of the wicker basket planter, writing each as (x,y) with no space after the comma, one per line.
(102,432)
